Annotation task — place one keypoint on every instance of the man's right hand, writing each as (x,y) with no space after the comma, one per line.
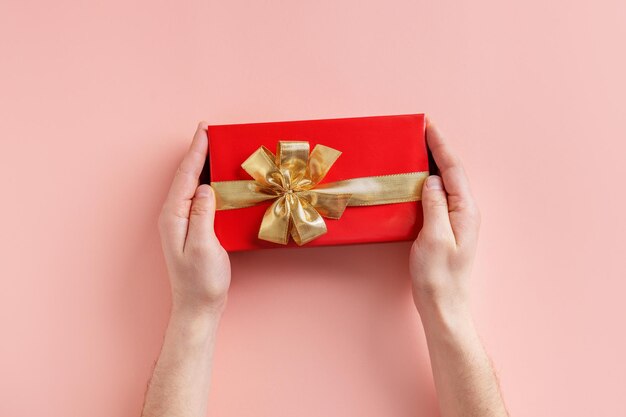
(440,264)
(442,255)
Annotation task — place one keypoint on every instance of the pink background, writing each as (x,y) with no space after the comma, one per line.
(98,101)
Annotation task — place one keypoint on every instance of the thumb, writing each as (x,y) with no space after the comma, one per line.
(201,216)
(435,206)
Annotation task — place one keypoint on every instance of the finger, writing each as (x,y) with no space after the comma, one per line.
(186,179)
(175,214)
(201,216)
(435,208)
(450,167)
(463,212)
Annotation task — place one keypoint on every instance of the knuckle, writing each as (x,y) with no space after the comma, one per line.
(437,201)
(189,164)
(456,162)
(462,204)
(199,209)
(183,168)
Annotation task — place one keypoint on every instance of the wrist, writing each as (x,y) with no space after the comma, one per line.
(192,323)
(444,315)
(200,307)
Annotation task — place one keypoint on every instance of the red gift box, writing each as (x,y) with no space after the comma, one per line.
(370,146)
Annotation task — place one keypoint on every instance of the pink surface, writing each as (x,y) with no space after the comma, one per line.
(99,100)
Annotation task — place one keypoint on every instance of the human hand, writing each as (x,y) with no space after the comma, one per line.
(442,255)
(198,265)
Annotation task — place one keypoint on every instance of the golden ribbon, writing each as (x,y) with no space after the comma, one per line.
(291,178)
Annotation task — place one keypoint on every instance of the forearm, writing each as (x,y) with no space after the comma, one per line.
(180,382)
(464,378)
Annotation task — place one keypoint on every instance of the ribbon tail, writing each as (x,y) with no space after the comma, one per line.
(275,223)
(307,223)
(262,167)
(328,205)
(238,194)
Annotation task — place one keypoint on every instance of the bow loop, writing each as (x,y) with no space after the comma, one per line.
(330,206)
(321,160)
(262,167)
(292,158)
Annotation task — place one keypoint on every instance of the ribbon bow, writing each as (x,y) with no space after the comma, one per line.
(292,179)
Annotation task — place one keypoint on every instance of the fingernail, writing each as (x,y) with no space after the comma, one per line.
(434,183)
(203,191)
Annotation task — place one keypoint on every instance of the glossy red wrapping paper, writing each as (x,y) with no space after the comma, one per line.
(370,146)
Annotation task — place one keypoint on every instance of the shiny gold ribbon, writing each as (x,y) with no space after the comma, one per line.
(291,178)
